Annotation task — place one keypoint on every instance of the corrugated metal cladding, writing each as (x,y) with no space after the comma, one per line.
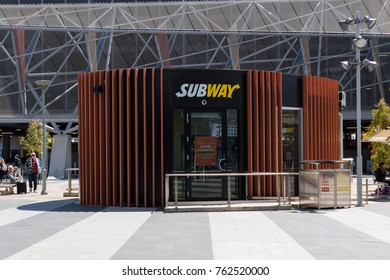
(264,114)
(121,152)
(320,119)
(122,133)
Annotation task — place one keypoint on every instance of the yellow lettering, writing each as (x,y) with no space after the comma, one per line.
(212,90)
(231,89)
(222,91)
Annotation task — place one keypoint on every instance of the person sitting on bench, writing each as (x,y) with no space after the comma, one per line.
(13,176)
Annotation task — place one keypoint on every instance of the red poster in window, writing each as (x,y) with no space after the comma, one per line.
(205,151)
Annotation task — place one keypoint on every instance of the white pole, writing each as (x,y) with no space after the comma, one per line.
(43,144)
(43,84)
(358,118)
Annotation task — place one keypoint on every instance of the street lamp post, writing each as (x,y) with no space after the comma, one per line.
(358,43)
(43,84)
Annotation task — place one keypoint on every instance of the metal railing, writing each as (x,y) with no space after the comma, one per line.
(285,175)
(70,170)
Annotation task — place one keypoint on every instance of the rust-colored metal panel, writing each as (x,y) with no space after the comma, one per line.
(262,123)
(108,150)
(81,95)
(114,134)
(326,132)
(268,138)
(256,142)
(310,118)
(315,115)
(274,126)
(128,136)
(102,144)
(321,126)
(136,142)
(90,147)
(305,124)
(95,133)
(145,137)
(153,135)
(110,124)
(121,128)
(249,135)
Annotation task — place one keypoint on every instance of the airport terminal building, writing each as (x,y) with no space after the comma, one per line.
(241,82)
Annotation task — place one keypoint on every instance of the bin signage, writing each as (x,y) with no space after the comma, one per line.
(325,185)
(343,189)
(342,182)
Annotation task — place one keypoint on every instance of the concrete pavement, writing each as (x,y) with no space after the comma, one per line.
(54,227)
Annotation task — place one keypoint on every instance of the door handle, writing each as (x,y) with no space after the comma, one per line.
(220,164)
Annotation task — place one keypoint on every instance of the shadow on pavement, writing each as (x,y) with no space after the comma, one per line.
(72,205)
(380,198)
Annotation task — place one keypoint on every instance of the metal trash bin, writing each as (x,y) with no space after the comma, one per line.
(322,185)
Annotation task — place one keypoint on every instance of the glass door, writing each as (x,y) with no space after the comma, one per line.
(205,142)
(206,153)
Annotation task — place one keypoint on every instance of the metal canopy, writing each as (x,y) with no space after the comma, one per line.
(251,17)
(56,42)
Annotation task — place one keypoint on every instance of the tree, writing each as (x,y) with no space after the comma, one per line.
(380,120)
(32,142)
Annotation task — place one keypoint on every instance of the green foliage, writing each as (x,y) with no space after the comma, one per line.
(32,142)
(380,120)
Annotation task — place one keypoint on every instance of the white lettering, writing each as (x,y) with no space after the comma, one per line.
(183,91)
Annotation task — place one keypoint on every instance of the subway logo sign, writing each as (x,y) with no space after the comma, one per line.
(207,90)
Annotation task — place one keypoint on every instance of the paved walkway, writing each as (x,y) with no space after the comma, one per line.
(53,227)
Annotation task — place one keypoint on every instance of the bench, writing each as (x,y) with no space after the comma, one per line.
(7,188)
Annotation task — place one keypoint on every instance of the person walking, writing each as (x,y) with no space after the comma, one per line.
(33,169)
(380,173)
(18,163)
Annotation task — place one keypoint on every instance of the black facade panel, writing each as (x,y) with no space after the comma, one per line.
(292,91)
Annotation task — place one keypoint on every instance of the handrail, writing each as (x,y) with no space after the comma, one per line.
(317,163)
(226,174)
(69,170)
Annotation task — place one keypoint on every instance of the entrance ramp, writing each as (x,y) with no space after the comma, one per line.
(221,206)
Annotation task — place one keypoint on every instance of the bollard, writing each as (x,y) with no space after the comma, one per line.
(366,191)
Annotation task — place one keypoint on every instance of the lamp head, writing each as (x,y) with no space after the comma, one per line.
(345,23)
(360,42)
(369,64)
(345,65)
(369,21)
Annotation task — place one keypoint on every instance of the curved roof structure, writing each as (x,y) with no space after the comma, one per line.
(316,17)
(41,40)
